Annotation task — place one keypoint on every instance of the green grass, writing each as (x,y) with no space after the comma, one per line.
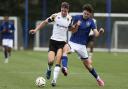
(25,66)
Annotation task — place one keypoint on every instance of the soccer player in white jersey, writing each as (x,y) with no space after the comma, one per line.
(78,41)
(7,33)
(58,39)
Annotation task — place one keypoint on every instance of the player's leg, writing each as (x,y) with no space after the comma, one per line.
(5,49)
(57,67)
(82,52)
(51,57)
(10,46)
(91,69)
(64,59)
(9,51)
(91,45)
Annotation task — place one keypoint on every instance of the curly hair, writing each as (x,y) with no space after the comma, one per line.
(88,7)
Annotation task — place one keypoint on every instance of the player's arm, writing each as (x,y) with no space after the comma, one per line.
(2,30)
(42,24)
(73,28)
(12,28)
(101,30)
(97,33)
(94,27)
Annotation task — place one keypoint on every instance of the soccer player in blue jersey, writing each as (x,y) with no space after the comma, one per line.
(82,24)
(7,33)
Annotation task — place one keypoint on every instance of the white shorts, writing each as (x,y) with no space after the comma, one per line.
(7,42)
(79,49)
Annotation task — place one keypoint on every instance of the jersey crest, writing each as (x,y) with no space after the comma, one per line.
(88,24)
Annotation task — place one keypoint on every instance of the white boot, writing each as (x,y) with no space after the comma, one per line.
(6,60)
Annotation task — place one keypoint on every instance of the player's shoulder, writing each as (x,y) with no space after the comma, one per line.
(91,20)
(69,17)
(54,15)
(77,17)
(94,20)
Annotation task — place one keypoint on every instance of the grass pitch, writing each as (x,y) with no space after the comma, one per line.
(25,66)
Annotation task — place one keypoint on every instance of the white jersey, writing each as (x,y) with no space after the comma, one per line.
(60,26)
(91,32)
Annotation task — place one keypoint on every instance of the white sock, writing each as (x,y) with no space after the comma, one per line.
(98,78)
(56,72)
(90,55)
(64,54)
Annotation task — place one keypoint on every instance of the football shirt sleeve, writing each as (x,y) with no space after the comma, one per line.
(52,18)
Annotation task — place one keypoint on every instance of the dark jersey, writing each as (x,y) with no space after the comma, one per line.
(82,35)
(7,30)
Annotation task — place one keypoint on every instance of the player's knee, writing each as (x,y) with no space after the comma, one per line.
(88,62)
(50,62)
(66,48)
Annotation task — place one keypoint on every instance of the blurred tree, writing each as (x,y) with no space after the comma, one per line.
(16,7)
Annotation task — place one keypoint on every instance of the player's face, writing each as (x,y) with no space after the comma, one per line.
(64,12)
(6,18)
(86,14)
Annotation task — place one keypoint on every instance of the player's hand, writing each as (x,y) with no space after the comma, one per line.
(4,30)
(78,23)
(11,31)
(32,31)
(101,31)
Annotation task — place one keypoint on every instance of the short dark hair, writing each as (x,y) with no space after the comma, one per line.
(65,5)
(88,7)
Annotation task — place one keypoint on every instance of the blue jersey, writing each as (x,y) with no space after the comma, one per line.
(7,30)
(82,35)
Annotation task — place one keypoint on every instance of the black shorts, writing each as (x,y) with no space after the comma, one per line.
(55,45)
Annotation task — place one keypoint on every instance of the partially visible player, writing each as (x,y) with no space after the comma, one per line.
(91,39)
(58,39)
(7,33)
(90,43)
(79,39)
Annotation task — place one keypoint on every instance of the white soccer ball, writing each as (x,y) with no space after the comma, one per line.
(40,82)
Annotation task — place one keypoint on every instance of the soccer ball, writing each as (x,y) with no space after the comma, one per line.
(40,82)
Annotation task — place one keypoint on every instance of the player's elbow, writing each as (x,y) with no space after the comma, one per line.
(97,34)
(45,21)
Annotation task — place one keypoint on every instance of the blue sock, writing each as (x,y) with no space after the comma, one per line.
(64,61)
(93,72)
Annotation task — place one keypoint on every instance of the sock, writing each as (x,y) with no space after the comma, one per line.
(64,61)
(50,66)
(93,72)
(5,54)
(56,72)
